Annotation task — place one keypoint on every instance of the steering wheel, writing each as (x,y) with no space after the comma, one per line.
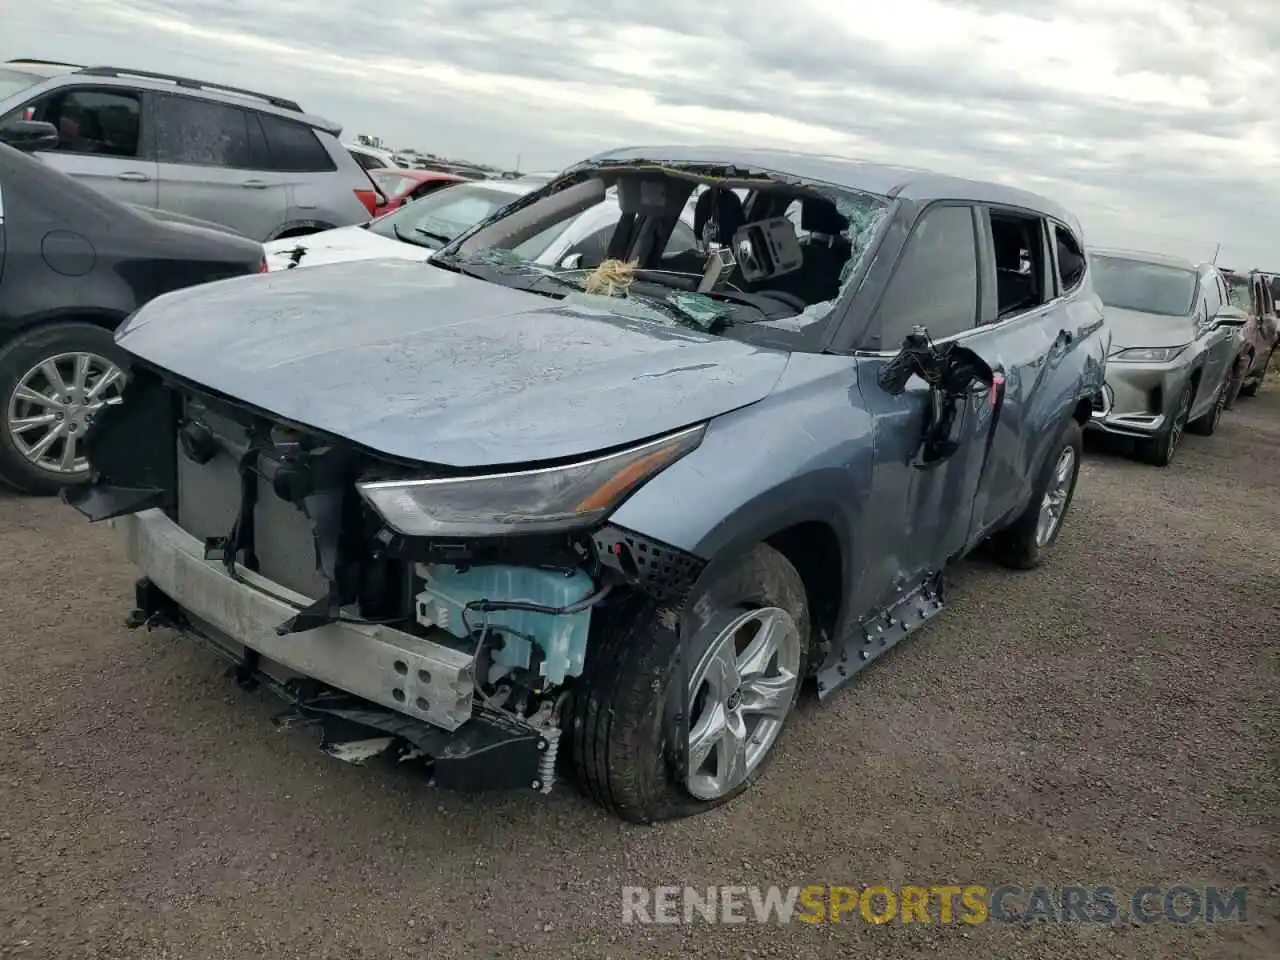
(790,299)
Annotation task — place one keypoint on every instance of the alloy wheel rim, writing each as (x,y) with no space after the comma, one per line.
(1054,503)
(54,404)
(1175,431)
(740,693)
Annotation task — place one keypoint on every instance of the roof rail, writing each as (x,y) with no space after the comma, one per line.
(45,63)
(280,102)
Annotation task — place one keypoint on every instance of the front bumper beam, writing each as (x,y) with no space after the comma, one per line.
(403,673)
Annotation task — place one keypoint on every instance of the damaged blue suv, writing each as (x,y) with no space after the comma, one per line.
(605,517)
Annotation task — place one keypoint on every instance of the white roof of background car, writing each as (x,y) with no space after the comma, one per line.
(1145,256)
(39,68)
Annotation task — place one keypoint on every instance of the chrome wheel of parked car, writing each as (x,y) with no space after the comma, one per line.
(53,405)
(54,380)
(1054,502)
(740,694)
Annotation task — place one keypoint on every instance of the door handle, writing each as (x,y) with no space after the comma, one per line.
(254,184)
(133,176)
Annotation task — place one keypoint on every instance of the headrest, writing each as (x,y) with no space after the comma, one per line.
(821,216)
(722,206)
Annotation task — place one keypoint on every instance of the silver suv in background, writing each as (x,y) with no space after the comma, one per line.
(250,161)
(1175,337)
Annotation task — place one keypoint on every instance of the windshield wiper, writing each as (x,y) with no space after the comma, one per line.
(405,239)
(440,238)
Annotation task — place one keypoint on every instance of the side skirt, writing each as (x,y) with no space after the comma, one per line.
(873,636)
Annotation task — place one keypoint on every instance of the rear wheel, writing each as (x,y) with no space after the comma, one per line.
(1159,450)
(53,382)
(1026,542)
(744,635)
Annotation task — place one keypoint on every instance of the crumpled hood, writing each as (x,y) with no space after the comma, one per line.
(416,362)
(340,245)
(1132,328)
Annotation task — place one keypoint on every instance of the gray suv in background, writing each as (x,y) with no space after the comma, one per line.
(1175,339)
(249,161)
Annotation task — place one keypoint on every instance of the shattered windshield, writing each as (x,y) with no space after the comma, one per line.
(1145,287)
(701,251)
(438,217)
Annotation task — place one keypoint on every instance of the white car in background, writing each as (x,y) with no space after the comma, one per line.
(419,228)
(375,158)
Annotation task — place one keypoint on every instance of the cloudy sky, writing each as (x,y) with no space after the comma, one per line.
(1153,119)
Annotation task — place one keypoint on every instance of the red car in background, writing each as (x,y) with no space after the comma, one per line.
(1252,292)
(400,186)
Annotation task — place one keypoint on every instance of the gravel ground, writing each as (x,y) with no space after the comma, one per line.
(1109,718)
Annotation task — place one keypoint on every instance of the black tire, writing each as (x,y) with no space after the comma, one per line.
(623,719)
(20,355)
(1160,449)
(1016,546)
(1235,381)
(1207,425)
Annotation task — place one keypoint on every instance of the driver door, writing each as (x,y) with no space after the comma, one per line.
(923,514)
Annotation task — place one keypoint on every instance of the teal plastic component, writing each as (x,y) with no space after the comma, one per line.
(561,637)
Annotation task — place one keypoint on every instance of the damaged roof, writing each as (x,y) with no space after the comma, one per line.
(888,180)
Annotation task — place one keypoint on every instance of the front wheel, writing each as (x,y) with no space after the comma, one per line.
(1026,542)
(1235,381)
(744,638)
(1207,424)
(1159,450)
(53,381)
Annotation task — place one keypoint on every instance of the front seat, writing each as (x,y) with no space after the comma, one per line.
(717,216)
(826,250)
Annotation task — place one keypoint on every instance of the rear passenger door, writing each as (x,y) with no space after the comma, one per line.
(1029,326)
(207,153)
(101,131)
(298,162)
(922,515)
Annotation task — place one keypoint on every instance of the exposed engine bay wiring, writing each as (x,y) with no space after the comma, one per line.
(493,606)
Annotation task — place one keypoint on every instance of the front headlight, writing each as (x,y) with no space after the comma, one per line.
(526,501)
(1147,354)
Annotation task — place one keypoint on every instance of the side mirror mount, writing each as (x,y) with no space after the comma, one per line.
(956,376)
(29,135)
(1229,316)
(571,261)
